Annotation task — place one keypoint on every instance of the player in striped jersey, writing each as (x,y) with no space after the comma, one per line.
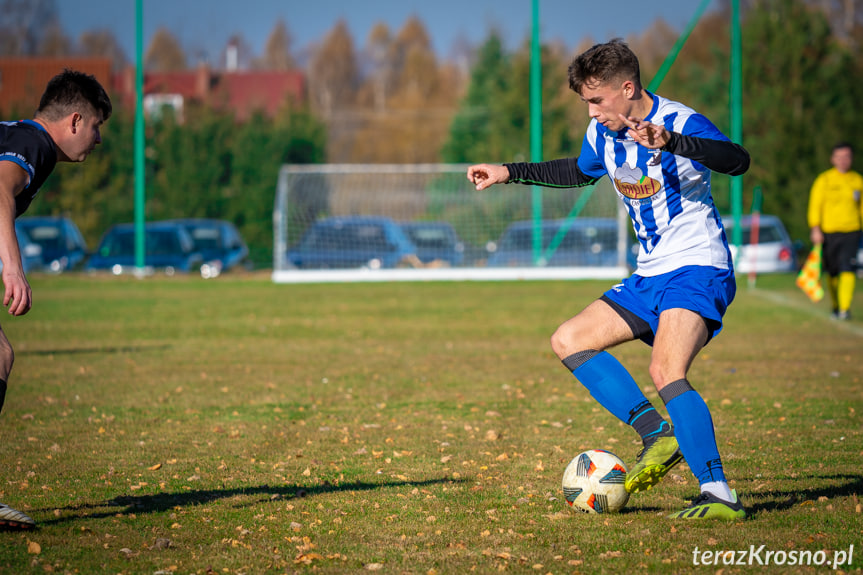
(660,155)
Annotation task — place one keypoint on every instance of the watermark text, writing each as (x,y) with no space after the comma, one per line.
(762,556)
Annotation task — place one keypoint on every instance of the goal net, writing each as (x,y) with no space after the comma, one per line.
(427,222)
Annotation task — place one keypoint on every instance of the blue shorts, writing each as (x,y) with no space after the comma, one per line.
(639,300)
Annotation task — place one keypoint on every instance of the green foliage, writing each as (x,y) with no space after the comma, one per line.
(473,129)
(798,102)
(493,121)
(208,165)
(798,86)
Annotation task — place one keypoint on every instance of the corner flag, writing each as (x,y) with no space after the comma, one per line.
(809,278)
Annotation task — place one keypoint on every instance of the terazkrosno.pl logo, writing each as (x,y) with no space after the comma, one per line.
(762,556)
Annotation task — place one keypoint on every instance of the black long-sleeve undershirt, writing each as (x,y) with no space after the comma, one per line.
(717,155)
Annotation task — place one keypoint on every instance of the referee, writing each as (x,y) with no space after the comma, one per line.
(835,215)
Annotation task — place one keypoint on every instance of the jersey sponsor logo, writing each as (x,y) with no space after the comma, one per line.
(632,183)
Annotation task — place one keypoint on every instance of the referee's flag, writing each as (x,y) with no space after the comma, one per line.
(809,278)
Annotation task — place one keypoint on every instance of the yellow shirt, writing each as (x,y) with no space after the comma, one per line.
(834,202)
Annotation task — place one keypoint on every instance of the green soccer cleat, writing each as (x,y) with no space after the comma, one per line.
(708,506)
(652,463)
(14,519)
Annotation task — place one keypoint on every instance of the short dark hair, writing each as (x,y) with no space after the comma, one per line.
(603,63)
(68,91)
(842,146)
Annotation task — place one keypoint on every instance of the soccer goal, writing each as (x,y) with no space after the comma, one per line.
(339,223)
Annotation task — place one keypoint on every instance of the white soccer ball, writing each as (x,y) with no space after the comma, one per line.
(593,482)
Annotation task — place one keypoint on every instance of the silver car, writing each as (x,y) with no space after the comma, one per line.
(765,249)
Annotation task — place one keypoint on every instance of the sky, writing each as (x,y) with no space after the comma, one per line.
(204,26)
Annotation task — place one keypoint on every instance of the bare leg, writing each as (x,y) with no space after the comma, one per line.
(7,358)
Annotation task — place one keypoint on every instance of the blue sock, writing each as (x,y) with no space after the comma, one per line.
(693,428)
(613,387)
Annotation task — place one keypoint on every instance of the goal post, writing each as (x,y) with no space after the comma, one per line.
(389,222)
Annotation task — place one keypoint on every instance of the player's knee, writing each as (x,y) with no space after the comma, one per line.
(557,344)
(566,341)
(660,373)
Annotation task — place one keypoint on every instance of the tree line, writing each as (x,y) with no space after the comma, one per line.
(393,100)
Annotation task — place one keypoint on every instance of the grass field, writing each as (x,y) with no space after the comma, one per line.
(235,426)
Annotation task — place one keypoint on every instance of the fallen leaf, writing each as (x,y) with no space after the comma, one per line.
(155,467)
(162,543)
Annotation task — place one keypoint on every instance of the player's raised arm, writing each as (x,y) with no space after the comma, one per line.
(721,156)
(485,175)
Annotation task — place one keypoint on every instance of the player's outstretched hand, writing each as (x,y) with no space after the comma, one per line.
(647,134)
(18,296)
(485,175)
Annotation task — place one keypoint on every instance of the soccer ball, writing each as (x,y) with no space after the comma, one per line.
(593,482)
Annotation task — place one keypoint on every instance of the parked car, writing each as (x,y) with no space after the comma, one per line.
(587,242)
(31,252)
(774,252)
(63,246)
(219,243)
(168,248)
(435,242)
(352,242)
(860,259)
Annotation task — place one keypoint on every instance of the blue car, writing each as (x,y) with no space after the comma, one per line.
(587,242)
(435,242)
(63,246)
(168,248)
(219,243)
(352,242)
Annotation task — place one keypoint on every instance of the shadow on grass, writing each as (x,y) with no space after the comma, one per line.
(160,502)
(781,500)
(101,349)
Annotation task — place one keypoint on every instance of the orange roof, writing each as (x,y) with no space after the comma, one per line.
(22,80)
(241,91)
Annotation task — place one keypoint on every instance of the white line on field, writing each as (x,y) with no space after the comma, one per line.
(808,308)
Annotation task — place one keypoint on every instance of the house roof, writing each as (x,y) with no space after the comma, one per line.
(244,92)
(23,80)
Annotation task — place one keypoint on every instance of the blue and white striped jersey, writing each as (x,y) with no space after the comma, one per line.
(668,196)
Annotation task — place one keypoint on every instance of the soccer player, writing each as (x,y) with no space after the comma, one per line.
(835,215)
(659,154)
(65,128)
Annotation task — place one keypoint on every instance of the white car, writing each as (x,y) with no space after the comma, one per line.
(860,259)
(772,251)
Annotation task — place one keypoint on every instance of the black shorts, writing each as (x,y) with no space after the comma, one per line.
(840,252)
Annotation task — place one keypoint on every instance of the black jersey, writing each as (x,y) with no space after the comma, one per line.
(28,144)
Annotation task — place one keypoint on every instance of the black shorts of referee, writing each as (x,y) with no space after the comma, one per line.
(839,252)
